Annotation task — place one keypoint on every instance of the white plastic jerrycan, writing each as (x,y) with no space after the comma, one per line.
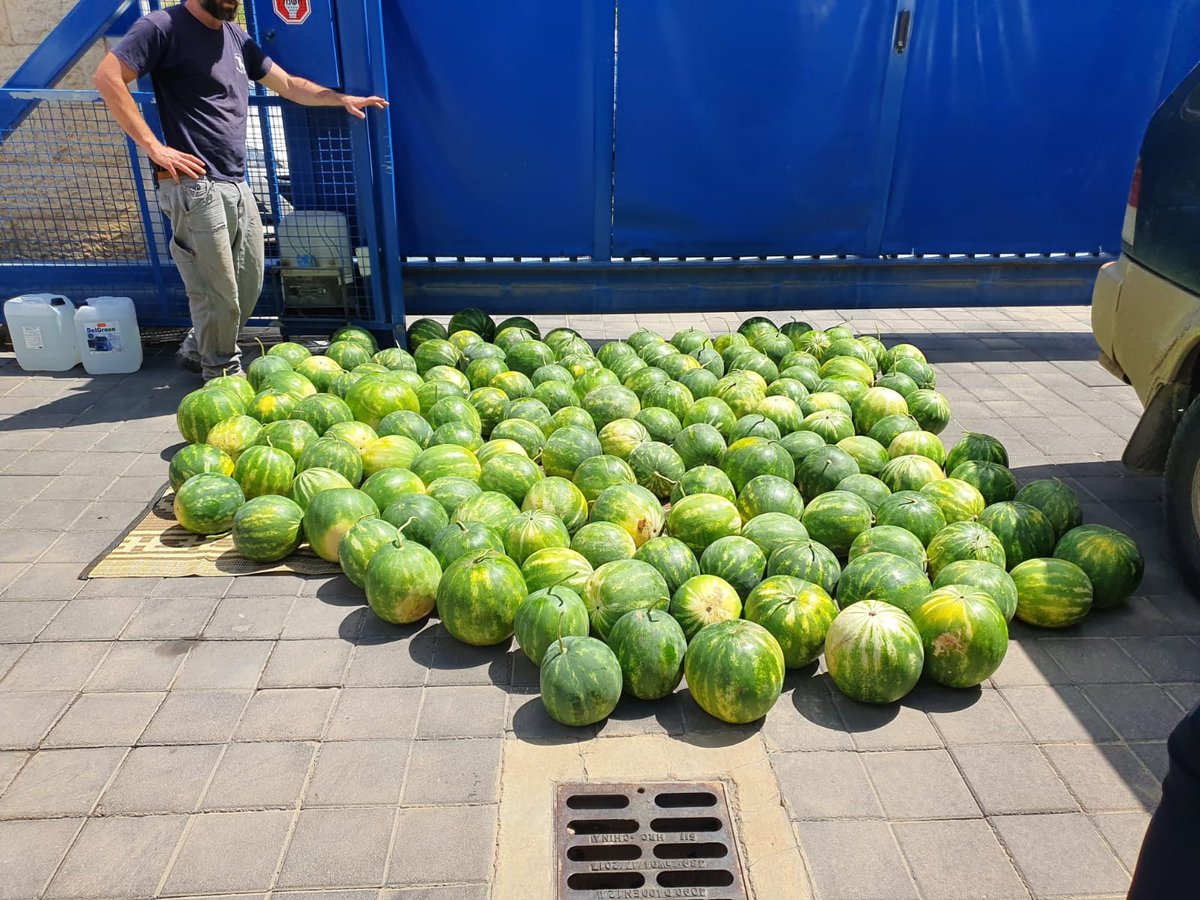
(106,330)
(43,333)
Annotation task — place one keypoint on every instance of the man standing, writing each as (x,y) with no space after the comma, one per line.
(201,66)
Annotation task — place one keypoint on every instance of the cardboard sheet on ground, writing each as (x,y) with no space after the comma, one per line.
(156,546)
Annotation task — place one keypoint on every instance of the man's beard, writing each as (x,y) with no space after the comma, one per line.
(218,11)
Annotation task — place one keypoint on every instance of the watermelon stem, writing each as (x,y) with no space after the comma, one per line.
(400,531)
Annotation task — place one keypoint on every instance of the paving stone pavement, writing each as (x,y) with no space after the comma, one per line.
(266,736)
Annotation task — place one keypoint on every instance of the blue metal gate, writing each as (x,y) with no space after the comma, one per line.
(682,153)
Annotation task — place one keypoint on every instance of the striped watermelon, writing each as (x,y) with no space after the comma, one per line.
(602,542)
(672,558)
(531,438)
(870,455)
(995,482)
(737,560)
(1022,529)
(913,512)
(704,480)
(888,428)
(561,497)
(958,500)
(289,435)
(567,448)
(373,397)
(267,529)
(451,492)
(808,561)
(910,473)
(798,614)
(617,587)
(767,494)
(874,652)
(361,542)
(234,435)
(555,565)
(1051,593)
(580,681)
(699,444)
(989,578)
(600,472)
(331,453)
(330,514)
(633,508)
(545,616)
(1056,501)
(929,408)
(823,470)
(1111,560)
(323,411)
(876,405)
(611,402)
(755,425)
(531,531)
(657,468)
(206,503)
(964,540)
(235,383)
(478,598)
(711,411)
(979,447)
(457,540)
(836,518)
(444,460)
(772,530)
(196,458)
(868,487)
(702,601)
(402,582)
(750,457)
(964,634)
(388,485)
(511,474)
(884,577)
(619,438)
(488,508)
(311,482)
(700,519)
(264,470)
(200,410)
(890,539)
(418,516)
(735,670)
(357,434)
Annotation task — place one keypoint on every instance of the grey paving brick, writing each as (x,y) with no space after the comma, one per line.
(118,857)
(260,775)
(92,619)
(30,852)
(245,618)
(524,673)
(9,573)
(358,773)
(310,618)
(985,720)
(527,719)
(191,588)
(170,619)
(224,665)
(160,780)
(10,763)
(1012,778)
(298,714)
(26,545)
(1105,777)
(454,771)
(368,894)
(951,860)
(1094,661)
(1139,712)
(1036,844)
(878,874)
(893,727)
(471,711)
(317,663)
(1124,833)
(1153,755)
(806,718)
(825,785)
(392,663)
(338,848)
(26,717)
(1057,714)
(421,832)
(73,487)
(9,654)
(919,784)
(229,851)
(196,717)
(104,720)
(44,518)
(260,587)
(448,892)
(60,783)
(1181,609)
(139,666)
(22,621)
(54,667)
(1165,658)
(1136,618)
(46,581)
(633,716)
(332,589)
(458,663)
(375,713)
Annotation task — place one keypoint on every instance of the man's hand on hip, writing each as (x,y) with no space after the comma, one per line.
(356,105)
(176,163)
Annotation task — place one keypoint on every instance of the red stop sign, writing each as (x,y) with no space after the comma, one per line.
(293,12)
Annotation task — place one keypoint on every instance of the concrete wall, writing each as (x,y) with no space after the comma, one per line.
(23,24)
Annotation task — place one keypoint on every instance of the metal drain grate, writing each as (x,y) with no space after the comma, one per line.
(630,840)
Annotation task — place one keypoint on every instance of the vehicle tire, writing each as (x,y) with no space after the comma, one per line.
(1181,496)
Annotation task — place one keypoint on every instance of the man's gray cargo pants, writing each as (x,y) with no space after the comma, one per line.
(218,248)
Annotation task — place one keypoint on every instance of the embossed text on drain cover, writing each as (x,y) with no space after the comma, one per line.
(630,840)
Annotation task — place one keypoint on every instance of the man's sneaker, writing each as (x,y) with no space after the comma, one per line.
(189,363)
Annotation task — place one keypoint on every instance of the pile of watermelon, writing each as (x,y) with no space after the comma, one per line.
(716,508)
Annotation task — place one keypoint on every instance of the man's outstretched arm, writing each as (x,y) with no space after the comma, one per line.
(112,80)
(307,93)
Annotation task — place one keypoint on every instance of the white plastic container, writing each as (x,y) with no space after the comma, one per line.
(106,331)
(43,333)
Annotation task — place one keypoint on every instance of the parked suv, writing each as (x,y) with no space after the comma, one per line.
(1146,314)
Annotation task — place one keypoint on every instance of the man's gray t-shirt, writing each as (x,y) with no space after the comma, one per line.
(201,81)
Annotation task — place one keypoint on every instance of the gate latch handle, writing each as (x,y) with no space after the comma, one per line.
(903,25)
